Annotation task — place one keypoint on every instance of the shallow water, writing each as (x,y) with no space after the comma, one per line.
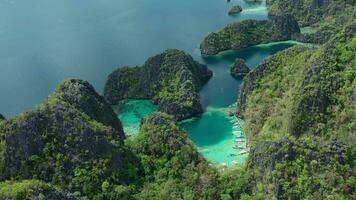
(131,114)
(217,129)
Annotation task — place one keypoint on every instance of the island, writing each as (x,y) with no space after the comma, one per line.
(239,68)
(248,33)
(171,80)
(236,9)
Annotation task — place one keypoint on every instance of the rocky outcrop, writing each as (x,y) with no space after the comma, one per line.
(311,98)
(2,117)
(325,16)
(272,161)
(298,109)
(168,149)
(73,130)
(32,190)
(171,80)
(239,68)
(249,33)
(307,12)
(252,79)
(81,95)
(235,10)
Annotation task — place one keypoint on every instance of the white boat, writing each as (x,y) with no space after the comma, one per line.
(240,140)
(234,162)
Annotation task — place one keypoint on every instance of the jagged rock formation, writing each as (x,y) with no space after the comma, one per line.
(249,33)
(81,95)
(72,132)
(32,189)
(239,68)
(308,12)
(166,149)
(271,162)
(171,80)
(252,79)
(326,17)
(235,10)
(299,116)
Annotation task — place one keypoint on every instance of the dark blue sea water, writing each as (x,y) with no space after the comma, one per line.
(45,41)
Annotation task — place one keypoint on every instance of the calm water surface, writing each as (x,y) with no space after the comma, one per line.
(45,41)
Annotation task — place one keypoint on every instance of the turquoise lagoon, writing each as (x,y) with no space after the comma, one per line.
(131,114)
(219,132)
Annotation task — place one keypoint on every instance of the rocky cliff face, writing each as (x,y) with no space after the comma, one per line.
(254,77)
(299,113)
(307,12)
(271,162)
(82,96)
(73,131)
(166,149)
(325,17)
(171,80)
(249,33)
(32,189)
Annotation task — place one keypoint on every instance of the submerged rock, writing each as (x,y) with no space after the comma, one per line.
(239,68)
(235,10)
(248,33)
(171,80)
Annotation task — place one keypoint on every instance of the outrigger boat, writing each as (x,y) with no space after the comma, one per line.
(243,152)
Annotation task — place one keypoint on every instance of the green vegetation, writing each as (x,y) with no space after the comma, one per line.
(171,80)
(65,150)
(298,106)
(65,142)
(31,189)
(326,18)
(248,33)
(299,111)
(236,9)
(239,68)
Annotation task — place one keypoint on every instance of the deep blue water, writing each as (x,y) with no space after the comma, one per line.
(45,41)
